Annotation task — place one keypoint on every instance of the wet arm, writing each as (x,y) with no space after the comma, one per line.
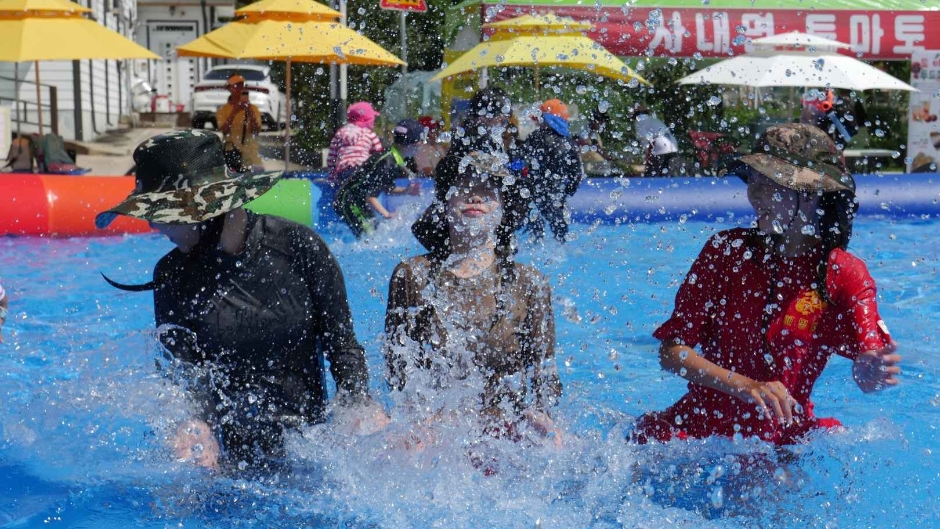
(545,381)
(376,205)
(396,321)
(688,364)
(870,346)
(684,361)
(333,323)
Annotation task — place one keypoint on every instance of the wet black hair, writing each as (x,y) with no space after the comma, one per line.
(835,231)
(489,102)
(432,230)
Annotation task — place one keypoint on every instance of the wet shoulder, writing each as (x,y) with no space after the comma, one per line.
(736,242)
(529,279)
(847,273)
(286,235)
(415,269)
(167,264)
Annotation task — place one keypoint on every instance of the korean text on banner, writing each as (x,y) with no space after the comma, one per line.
(713,32)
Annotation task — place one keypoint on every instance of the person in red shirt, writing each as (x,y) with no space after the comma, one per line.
(768,306)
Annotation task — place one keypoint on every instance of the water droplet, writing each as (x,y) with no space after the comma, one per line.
(717,497)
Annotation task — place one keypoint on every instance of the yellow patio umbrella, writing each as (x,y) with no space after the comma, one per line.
(57,30)
(537,41)
(291,31)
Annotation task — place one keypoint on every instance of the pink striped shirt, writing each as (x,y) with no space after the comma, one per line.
(350,147)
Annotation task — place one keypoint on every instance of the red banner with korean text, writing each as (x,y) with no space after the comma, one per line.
(415,6)
(704,32)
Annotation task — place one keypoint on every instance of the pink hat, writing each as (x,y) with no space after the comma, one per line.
(361,113)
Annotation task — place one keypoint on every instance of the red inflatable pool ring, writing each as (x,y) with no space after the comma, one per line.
(63,206)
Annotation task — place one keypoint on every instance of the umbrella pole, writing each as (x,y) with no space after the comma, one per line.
(537,86)
(38,98)
(287,125)
(16,96)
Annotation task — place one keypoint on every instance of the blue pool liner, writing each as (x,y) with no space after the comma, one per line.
(625,200)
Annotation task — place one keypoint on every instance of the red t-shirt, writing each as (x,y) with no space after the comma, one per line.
(720,308)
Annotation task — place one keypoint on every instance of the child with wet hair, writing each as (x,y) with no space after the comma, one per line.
(469,331)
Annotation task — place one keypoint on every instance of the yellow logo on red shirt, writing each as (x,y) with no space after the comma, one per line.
(810,303)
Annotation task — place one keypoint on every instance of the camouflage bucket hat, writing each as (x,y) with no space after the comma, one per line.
(800,157)
(182,179)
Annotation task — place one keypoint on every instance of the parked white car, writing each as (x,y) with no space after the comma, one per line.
(210,94)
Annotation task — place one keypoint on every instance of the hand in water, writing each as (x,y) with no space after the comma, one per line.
(365,419)
(195,443)
(876,370)
(774,398)
(545,426)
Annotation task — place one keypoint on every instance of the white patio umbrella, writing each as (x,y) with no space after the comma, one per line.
(796,59)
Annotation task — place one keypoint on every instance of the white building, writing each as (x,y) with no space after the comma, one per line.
(165,24)
(92,95)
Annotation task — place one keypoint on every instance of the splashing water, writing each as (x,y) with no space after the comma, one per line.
(86,416)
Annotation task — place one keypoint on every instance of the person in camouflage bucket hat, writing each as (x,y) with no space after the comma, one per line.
(800,157)
(251,307)
(182,179)
(763,309)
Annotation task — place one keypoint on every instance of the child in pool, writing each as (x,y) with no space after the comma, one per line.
(465,319)
(768,306)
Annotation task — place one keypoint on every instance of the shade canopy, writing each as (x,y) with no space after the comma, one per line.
(290,31)
(279,40)
(796,39)
(541,41)
(800,60)
(56,30)
(544,23)
(289,10)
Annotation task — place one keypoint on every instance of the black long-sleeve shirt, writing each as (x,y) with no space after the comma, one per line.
(266,318)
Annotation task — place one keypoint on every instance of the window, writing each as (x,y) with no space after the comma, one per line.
(222,74)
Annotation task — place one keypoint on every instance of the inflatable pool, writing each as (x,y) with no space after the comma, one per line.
(65,206)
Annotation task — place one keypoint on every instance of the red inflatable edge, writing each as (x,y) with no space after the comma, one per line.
(63,206)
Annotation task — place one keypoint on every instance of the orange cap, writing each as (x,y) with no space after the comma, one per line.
(555,107)
(235,79)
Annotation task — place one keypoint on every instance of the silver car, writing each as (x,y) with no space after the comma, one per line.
(210,94)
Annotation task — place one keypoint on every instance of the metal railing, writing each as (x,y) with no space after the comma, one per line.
(27,112)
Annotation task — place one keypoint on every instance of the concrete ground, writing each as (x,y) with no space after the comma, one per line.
(112,153)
